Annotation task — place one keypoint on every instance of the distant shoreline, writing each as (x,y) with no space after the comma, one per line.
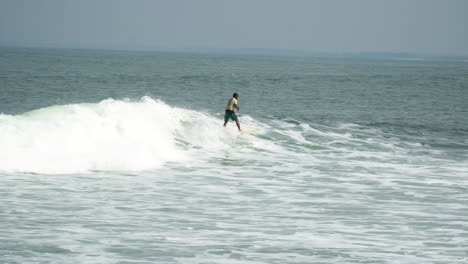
(398,56)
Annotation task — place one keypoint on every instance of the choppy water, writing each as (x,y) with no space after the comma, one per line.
(121,157)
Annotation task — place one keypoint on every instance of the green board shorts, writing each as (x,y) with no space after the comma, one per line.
(230,114)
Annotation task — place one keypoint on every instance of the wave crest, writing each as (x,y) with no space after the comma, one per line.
(113,135)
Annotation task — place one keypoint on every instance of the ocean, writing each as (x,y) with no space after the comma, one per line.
(122,157)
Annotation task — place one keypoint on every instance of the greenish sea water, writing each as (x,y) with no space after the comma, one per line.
(121,157)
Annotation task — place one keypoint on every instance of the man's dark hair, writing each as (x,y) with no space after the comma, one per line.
(234,95)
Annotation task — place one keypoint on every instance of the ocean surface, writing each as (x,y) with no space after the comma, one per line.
(121,157)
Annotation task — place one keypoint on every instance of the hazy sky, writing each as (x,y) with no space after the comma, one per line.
(422,26)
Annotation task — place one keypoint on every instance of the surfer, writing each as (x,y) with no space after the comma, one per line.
(232,103)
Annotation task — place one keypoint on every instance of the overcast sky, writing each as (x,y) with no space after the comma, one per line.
(417,26)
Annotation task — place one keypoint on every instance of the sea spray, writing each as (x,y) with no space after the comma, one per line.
(110,135)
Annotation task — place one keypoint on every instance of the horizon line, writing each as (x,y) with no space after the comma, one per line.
(242,51)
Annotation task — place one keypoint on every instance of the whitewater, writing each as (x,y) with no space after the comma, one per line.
(142,170)
(111,135)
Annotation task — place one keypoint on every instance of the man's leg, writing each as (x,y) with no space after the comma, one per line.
(238,124)
(226,119)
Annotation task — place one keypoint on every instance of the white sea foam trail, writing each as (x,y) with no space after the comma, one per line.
(111,135)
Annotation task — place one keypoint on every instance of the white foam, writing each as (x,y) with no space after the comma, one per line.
(110,135)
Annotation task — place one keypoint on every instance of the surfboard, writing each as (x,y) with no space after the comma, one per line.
(249,131)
